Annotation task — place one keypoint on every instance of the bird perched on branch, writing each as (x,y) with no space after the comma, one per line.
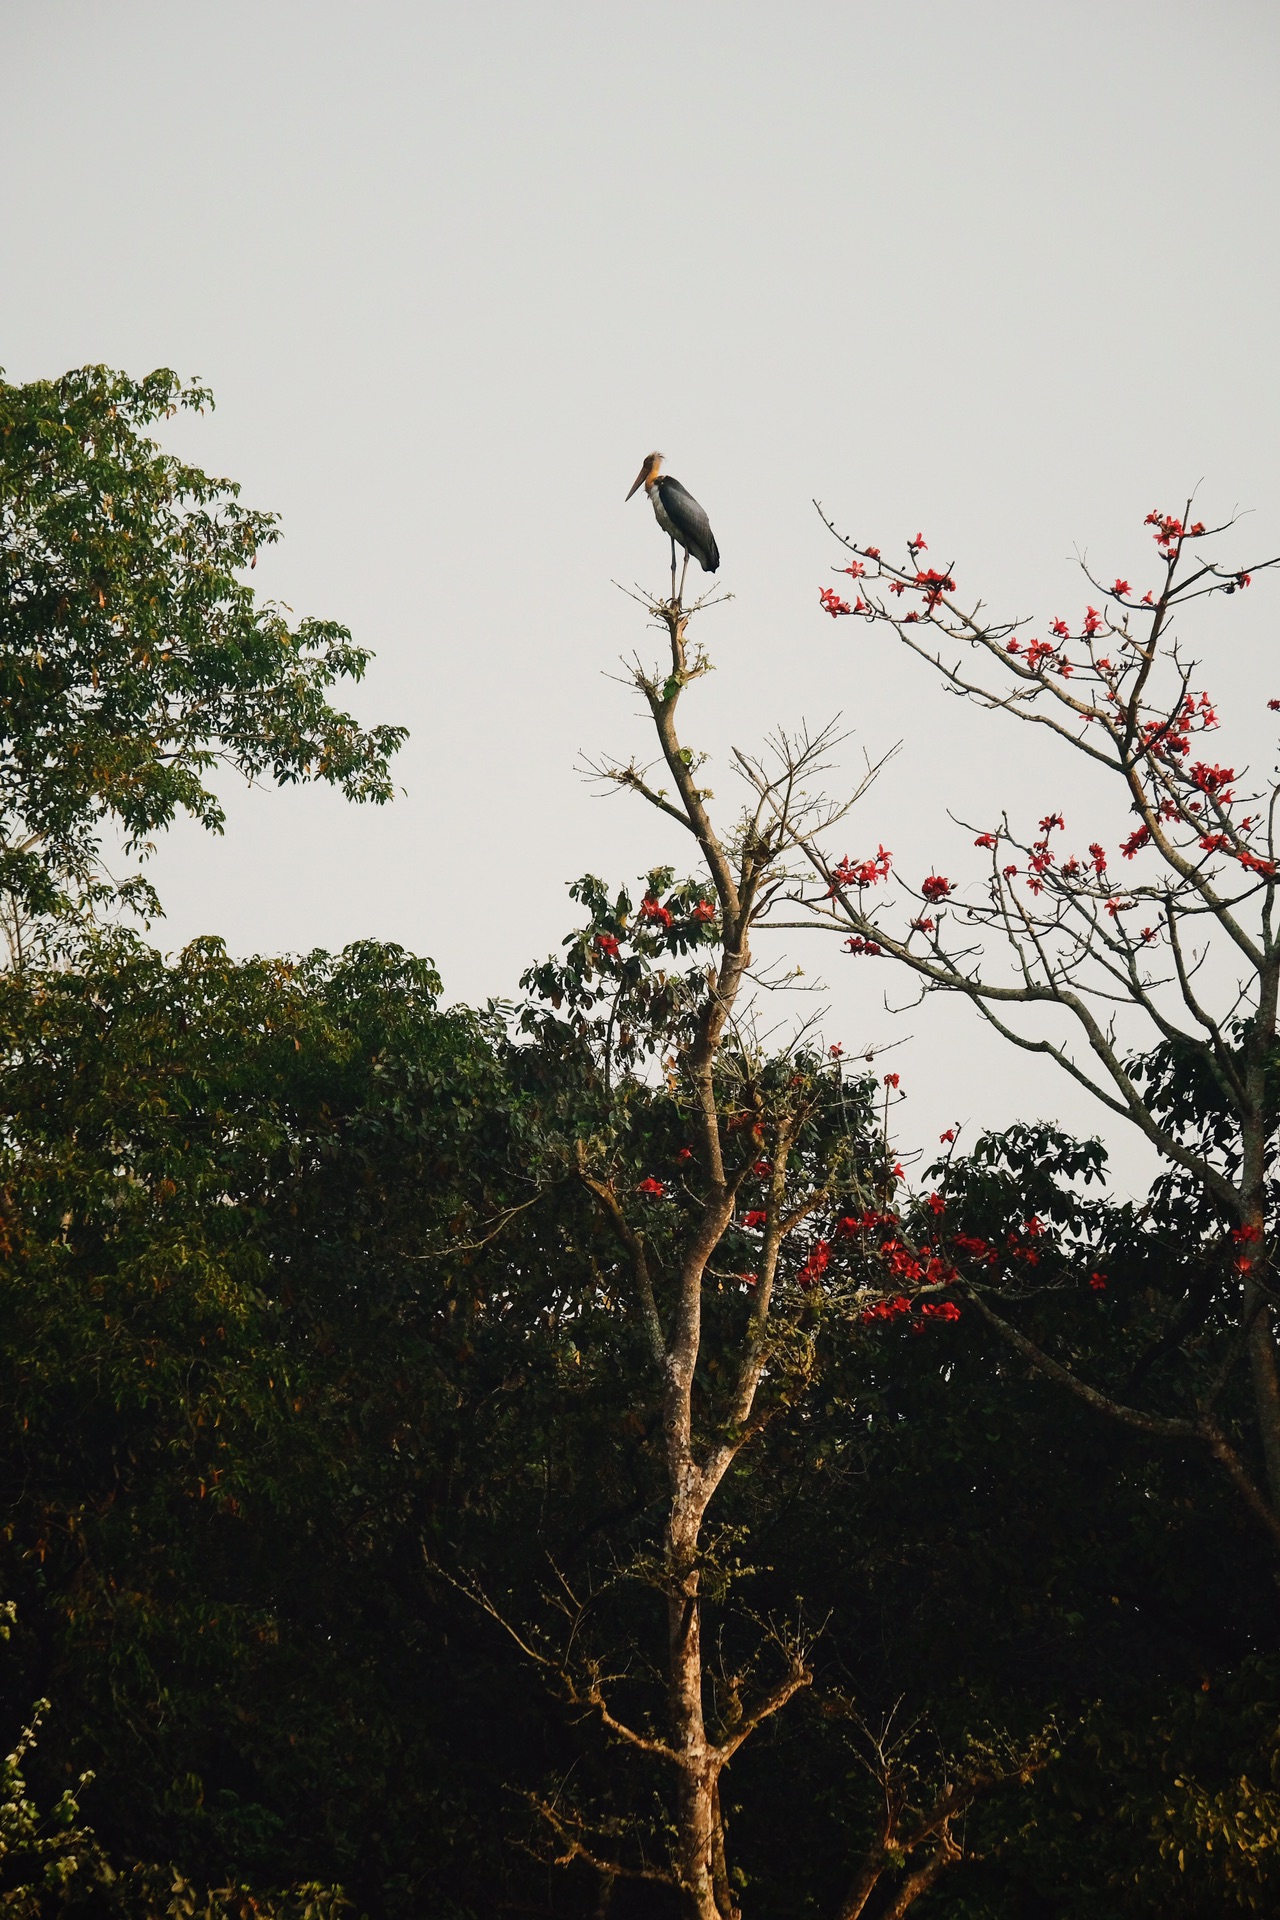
(679,516)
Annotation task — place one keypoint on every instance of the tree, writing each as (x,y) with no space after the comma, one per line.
(1056,930)
(134,656)
(739,1195)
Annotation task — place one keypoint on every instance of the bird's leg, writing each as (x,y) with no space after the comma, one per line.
(684,569)
(673,570)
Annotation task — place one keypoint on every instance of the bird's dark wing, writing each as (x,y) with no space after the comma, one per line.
(692,527)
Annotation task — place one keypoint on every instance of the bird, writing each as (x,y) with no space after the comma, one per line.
(679,516)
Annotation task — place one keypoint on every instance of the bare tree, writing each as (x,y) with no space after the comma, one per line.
(1181,955)
(764,1128)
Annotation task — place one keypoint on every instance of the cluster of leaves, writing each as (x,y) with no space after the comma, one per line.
(134,655)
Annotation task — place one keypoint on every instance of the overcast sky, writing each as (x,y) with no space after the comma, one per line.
(1005,273)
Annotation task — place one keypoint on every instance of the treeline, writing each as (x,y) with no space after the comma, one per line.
(309,1326)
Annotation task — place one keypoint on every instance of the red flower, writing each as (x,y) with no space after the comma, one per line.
(858,945)
(1147,598)
(704,911)
(607,943)
(755,1218)
(1050,821)
(1136,841)
(1210,779)
(762,1169)
(1098,1281)
(860,873)
(1092,620)
(1274,705)
(1008,872)
(933,584)
(749,1279)
(652,1186)
(685,1153)
(922,926)
(945,1138)
(940,1310)
(892,1079)
(935,1202)
(1244,579)
(1168,530)
(836,1052)
(651,910)
(1061,628)
(898,586)
(919,544)
(985,840)
(935,887)
(856,571)
(830,600)
(1099,857)
(1013,647)
(872,553)
(816,1265)
(1121,587)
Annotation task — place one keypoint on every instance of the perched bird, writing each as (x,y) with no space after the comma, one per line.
(679,516)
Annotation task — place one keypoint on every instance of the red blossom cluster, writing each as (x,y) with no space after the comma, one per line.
(856,944)
(756,1217)
(1092,621)
(860,873)
(1061,628)
(653,910)
(1168,530)
(704,911)
(935,887)
(929,1309)
(892,1079)
(980,1251)
(856,571)
(816,1265)
(1121,588)
(1038,651)
(1212,780)
(864,1222)
(986,840)
(685,1153)
(1098,1281)
(1136,841)
(831,602)
(654,1188)
(607,944)
(922,926)
(933,584)
(918,545)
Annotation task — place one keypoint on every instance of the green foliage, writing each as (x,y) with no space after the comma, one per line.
(134,656)
(302,1298)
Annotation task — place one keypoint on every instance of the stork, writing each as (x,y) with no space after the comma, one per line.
(679,516)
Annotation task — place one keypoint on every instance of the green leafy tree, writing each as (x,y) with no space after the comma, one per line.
(134,655)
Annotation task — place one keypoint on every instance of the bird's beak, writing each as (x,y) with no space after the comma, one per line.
(639,480)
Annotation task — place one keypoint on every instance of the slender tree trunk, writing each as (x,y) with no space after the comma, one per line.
(696,1781)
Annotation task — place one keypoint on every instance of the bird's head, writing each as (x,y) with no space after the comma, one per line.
(647,474)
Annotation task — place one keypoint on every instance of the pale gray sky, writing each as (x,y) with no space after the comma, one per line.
(1003,272)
